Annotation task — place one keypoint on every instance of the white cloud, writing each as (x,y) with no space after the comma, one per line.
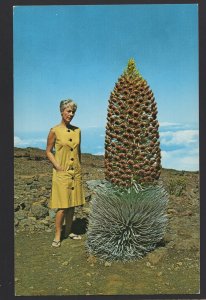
(99,153)
(18,142)
(190,161)
(179,137)
(181,159)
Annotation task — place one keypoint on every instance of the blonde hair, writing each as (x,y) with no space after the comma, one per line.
(68,102)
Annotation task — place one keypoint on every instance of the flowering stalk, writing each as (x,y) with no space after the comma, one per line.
(132,147)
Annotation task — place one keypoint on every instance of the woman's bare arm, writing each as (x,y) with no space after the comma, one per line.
(50,144)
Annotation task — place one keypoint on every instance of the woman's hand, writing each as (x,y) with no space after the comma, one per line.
(59,168)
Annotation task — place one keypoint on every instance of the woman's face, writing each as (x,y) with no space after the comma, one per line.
(68,114)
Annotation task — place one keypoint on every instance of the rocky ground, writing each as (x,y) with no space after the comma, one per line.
(172,268)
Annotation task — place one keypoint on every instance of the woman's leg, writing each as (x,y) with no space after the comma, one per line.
(58,223)
(69,213)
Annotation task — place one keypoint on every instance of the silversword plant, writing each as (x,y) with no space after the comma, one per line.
(128,218)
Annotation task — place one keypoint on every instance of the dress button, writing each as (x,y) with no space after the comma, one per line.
(72,159)
(70,140)
(71,149)
(72,168)
(72,188)
(69,130)
(72,178)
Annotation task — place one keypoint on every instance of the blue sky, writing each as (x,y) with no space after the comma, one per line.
(80,51)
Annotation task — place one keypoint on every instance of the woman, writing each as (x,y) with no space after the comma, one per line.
(67,190)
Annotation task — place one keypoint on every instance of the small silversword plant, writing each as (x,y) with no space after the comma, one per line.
(125,225)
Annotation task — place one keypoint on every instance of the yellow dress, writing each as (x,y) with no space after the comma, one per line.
(67,187)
